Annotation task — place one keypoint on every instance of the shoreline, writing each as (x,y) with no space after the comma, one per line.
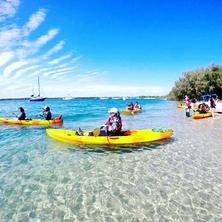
(95,97)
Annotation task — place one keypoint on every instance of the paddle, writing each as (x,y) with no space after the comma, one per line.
(96,131)
(14,114)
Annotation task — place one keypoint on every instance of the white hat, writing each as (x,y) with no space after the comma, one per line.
(113,110)
(45,107)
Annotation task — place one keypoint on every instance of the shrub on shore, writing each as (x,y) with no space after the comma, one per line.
(197,83)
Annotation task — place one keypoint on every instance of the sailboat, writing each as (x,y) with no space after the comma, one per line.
(34,98)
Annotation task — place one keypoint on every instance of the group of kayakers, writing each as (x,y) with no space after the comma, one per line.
(46,113)
(202,108)
(131,106)
(113,125)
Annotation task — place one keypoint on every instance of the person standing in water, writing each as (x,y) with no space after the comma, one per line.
(212,106)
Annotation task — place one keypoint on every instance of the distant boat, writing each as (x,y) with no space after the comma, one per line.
(37,98)
(67,98)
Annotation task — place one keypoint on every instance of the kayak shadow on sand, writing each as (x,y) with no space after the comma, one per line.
(120,149)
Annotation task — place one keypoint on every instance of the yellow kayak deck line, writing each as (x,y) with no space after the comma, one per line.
(202,115)
(127,111)
(31,122)
(129,137)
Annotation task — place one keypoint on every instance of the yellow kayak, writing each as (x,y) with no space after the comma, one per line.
(128,137)
(127,111)
(202,115)
(181,106)
(57,121)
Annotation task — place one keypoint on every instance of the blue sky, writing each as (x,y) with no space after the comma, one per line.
(105,48)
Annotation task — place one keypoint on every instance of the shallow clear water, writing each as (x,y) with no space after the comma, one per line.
(45,180)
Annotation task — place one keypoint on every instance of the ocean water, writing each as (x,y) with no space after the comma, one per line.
(46,180)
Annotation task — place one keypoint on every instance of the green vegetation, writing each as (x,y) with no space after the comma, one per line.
(197,82)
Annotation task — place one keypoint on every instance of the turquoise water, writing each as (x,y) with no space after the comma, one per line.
(45,180)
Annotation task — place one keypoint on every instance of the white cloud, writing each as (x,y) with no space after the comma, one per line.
(45,38)
(56,71)
(60,59)
(6,57)
(23,71)
(34,21)
(42,40)
(39,71)
(12,67)
(77,58)
(56,75)
(55,49)
(8,8)
(9,37)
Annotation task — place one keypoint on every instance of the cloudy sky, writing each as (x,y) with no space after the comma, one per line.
(104,48)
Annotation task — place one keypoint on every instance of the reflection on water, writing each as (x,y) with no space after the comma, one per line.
(177,180)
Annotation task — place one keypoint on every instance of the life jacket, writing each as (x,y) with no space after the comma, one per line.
(117,120)
(22,116)
(137,106)
(188,103)
(47,115)
(130,107)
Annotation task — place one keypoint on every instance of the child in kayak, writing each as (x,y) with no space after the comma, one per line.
(21,115)
(46,114)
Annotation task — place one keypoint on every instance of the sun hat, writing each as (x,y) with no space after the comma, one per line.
(46,108)
(113,110)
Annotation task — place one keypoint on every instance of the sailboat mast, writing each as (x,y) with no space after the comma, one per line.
(38,85)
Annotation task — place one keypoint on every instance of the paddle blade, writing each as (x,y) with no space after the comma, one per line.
(96,132)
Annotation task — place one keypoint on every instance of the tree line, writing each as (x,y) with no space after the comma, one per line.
(197,83)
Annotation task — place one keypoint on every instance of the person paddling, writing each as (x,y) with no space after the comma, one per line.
(112,127)
(130,106)
(137,106)
(46,114)
(21,115)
